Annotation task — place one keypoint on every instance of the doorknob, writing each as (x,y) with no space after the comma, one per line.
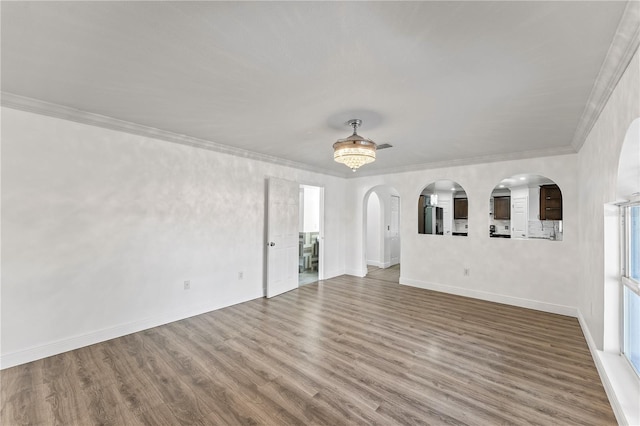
(272,244)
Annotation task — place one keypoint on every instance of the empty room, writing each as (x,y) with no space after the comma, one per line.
(320,213)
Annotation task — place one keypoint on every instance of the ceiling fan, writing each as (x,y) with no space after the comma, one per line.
(356,151)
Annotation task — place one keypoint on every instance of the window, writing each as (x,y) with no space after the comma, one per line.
(631,281)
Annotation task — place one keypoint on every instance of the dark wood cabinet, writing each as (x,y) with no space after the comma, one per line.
(460,208)
(502,208)
(422,201)
(550,202)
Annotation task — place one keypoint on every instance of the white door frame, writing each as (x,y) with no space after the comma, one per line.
(321,227)
(321,237)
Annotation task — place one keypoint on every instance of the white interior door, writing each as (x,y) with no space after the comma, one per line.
(519,217)
(394,230)
(282,236)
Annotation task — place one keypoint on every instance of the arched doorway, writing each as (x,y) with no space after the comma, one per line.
(381,233)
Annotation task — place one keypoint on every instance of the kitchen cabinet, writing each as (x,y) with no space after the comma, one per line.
(502,208)
(460,208)
(422,202)
(550,202)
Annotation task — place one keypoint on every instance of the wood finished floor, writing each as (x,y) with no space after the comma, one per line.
(342,351)
(391,274)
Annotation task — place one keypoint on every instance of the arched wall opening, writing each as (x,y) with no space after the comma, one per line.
(381,227)
(443,209)
(526,206)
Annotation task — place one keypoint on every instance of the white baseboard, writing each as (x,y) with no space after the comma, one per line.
(493,297)
(332,274)
(356,272)
(375,263)
(614,397)
(626,411)
(75,342)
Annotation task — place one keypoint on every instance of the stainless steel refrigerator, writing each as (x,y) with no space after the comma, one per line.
(433,223)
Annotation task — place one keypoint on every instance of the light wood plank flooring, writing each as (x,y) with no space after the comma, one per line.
(342,351)
(391,274)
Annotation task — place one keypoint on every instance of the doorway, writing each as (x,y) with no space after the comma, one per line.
(310,234)
(382,233)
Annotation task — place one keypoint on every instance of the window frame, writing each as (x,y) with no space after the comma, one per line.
(625,279)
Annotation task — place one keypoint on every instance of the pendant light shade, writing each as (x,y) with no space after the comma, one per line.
(354,151)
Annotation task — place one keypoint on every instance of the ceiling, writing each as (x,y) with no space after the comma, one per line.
(442,185)
(443,82)
(527,179)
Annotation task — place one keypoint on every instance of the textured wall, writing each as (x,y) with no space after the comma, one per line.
(101,228)
(597,173)
(374,229)
(535,273)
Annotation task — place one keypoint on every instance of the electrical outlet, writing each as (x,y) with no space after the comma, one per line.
(466,272)
(240,275)
(187,285)
(506,227)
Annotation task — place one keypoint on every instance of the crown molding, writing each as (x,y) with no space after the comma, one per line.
(523,155)
(621,51)
(36,106)
(624,45)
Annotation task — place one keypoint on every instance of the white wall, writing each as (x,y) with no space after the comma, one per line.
(534,273)
(310,210)
(534,203)
(101,228)
(520,191)
(597,172)
(566,277)
(374,231)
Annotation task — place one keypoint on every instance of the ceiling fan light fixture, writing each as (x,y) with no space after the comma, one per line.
(354,151)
